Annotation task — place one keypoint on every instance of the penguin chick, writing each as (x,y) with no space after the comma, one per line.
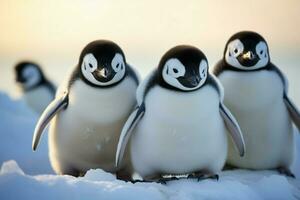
(179,126)
(89,111)
(256,93)
(36,89)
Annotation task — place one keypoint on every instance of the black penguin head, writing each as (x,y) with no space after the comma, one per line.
(247,50)
(102,63)
(183,68)
(28,75)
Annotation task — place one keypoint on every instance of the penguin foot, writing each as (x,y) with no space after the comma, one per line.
(285,171)
(159,180)
(165,180)
(200,176)
(140,181)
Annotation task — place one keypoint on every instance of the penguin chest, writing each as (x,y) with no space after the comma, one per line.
(256,100)
(87,132)
(180,132)
(38,99)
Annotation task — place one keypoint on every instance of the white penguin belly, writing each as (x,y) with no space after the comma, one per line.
(256,100)
(85,135)
(38,99)
(180,133)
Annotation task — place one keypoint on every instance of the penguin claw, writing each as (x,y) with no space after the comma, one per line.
(215,176)
(200,177)
(285,171)
(160,180)
(140,181)
(165,180)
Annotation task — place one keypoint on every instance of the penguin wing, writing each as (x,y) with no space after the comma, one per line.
(230,121)
(127,130)
(135,117)
(234,129)
(292,108)
(52,109)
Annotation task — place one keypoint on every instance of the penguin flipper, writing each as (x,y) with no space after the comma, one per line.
(230,121)
(293,111)
(292,108)
(127,130)
(234,129)
(52,109)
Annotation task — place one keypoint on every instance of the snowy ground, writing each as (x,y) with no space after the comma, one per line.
(27,175)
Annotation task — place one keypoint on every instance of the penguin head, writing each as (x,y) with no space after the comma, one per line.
(102,63)
(28,75)
(183,68)
(247,50)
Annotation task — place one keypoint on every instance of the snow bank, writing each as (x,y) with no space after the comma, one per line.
(17,123)
(97,184)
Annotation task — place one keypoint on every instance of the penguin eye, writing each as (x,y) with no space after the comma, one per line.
(203,67)
(89,63)
(173,68)
(262,49)
(236,51)
(234,48)
(117,62)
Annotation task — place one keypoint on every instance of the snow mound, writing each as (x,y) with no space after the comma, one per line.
(97,184)
(17,123)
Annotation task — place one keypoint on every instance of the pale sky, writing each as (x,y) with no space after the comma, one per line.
(54,32)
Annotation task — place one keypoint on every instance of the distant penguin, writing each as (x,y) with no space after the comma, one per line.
(178,127)
(256,93)
(37,90)
(89,112)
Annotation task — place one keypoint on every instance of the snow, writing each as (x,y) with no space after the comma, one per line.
(17,123)
(97,184)
(27,175)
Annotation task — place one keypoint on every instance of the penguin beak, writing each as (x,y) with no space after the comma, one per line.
(194,81)
(190,82)
(103,73)
(249,55)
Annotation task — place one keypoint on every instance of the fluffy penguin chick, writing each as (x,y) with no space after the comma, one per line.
(36,89)
(256,93)
(178,126)
(89,112)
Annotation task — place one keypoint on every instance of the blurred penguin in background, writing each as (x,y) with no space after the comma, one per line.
(36,89)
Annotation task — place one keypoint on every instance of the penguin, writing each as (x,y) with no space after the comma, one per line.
(37,90)
(256,91)
(89,111)
(179,125)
